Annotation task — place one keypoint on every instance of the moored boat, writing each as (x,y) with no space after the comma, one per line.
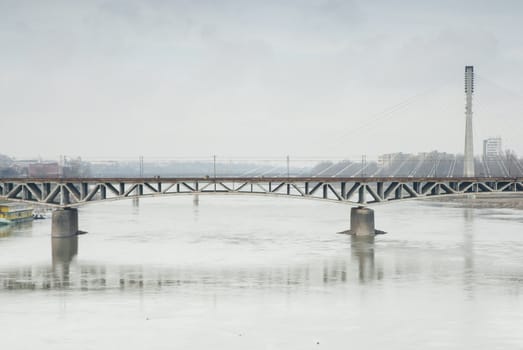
(11,213)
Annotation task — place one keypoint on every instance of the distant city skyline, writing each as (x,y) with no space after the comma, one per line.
(493,163)
(248,79)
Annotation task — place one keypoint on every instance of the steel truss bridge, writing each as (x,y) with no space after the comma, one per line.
(74,192)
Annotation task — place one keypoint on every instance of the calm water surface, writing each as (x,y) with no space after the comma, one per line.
(258,273)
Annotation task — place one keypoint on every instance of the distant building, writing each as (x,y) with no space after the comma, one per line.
(492,147)
(47,169)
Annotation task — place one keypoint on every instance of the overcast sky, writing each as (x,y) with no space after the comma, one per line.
(122,78)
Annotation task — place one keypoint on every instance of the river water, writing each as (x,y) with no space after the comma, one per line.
(265,273)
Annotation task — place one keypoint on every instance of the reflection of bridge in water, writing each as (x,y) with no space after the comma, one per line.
(362,261)
(66,273)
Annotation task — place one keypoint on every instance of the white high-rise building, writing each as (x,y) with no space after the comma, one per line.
(492,147)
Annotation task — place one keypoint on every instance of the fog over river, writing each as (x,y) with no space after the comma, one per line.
(265,273)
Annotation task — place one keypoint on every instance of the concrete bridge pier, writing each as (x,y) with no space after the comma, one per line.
(362,222)
(65,223)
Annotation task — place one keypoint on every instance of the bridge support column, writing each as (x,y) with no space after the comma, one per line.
(65,223)
(362,222)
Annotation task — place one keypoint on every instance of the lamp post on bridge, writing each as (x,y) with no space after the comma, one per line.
(214,170)
(288,167)
(214,166)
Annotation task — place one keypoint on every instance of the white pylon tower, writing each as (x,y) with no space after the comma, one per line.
(468,166)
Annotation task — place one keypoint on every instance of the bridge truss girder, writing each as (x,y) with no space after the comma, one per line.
(76,192)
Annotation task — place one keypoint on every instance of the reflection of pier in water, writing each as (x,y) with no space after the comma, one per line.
(64,250)
(362,248)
